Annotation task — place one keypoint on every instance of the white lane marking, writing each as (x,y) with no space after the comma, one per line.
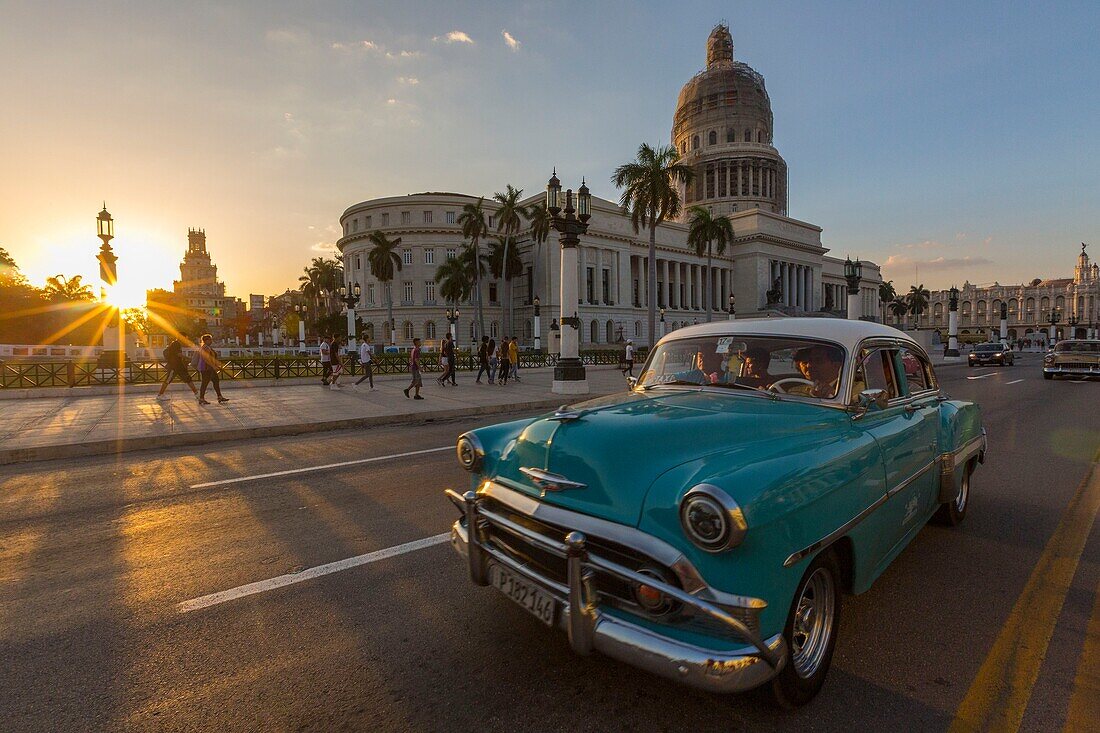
(280,581)
(320,468)
(983,376)
(1014,381)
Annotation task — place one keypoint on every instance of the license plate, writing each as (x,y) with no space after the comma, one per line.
(531,597)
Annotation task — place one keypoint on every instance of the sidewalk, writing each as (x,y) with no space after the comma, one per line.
(70,426)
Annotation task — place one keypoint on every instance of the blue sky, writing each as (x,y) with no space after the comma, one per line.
(960,139)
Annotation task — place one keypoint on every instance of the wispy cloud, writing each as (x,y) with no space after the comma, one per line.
(409,80)
(510,40)
(374,48)
(324,247)
(936,264)
(455,37)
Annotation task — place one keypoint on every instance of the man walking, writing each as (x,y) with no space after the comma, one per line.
(336,361)
(494,360)
(175,366)
(513,357)
(444,362)
(365,357)
(629,359)
(414,368)
(483,359)
(505,368)
(452,360)
(326,360)
(208,370)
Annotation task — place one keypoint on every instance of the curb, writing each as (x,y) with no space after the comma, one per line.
(126,445)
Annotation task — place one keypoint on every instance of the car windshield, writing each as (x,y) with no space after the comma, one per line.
(803,367)
(987,348)
(1089,347)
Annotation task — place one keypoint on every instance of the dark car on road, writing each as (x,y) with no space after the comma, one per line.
(998,354)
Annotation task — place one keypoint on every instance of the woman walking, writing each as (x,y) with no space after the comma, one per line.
(505,364)
(491,349)
(337,362)
(208,370)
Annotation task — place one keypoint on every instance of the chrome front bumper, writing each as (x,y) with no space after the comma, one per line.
(590,629)
(1078,371)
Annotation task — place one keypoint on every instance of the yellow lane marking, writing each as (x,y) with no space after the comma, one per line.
(1000,692)
(1084,705)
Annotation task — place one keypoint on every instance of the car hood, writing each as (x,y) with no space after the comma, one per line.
(617,446)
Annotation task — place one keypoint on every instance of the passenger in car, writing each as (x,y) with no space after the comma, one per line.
(754,372)
(825,366)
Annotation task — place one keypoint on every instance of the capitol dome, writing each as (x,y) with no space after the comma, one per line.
(723,129)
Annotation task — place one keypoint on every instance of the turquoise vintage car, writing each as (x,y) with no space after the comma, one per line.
(704,524)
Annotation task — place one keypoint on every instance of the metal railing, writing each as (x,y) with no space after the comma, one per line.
(74,373)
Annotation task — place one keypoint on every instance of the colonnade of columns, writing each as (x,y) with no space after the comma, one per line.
(735,177)
(796,284)
(680,284)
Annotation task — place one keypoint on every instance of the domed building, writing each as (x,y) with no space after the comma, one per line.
(723,127)
(723,130)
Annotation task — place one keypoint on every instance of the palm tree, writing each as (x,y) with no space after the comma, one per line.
(917,300)
(472,221)
(706,230)
(505,263)
(899,307)
(538,218)
(886,294)
(384,262)
(322,275)
(60,288)
(453,281)
(509,223)
(651,195)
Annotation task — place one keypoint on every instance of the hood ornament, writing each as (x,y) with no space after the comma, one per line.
(547,481)
(563,413)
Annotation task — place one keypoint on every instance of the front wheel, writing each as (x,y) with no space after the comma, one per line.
(810,633)
(1048,375)
(954,511)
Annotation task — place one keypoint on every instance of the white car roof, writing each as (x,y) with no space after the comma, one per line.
(844,332)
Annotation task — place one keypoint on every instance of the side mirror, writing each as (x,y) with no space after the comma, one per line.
(631,382)
(870,398)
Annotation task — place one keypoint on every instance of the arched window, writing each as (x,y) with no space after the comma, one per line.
(408,330)
(494,330)
(473,330)
(637,329)
(731,135)
(712,139)
(748,135)
(610,332)
(429,330)
(1013,307)
(695,143)
(1030,305)
(594,332)
(369,331)
(1060,303)
(759,136)
(528,330)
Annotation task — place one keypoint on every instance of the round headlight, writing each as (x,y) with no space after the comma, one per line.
(711,519)
(470,452)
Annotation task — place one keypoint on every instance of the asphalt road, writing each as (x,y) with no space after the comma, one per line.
(97,555)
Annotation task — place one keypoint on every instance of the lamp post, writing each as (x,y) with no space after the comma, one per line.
(732,311)
(112,352)
(1073,321)
(275,340)
(662,312)
(1055,316)
(351,299)
(538,326)
(853,273)
(570,223)
(952,323)
(1004,324)
(300,310)
(452,318)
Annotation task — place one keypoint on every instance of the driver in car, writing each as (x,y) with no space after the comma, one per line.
(824,370)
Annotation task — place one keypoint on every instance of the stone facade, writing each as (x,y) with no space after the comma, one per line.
(200,290)
(1029,306)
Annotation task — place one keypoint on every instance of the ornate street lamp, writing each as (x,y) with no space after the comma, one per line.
(452,318)
(732,311)
(952,322)
(1055,316)
(351,299)
(1004,323)
(300,310)
(662,312)
(105,230)
(1073,321)
(538,325)
(570,223)
(853,274)
(113,352)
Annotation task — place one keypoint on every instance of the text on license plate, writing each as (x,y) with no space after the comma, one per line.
(526,594)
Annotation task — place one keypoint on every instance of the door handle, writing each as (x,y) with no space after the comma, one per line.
(910,409)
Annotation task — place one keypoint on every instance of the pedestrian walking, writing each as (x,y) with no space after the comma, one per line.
(326,360)
(444,361)
(494,359)
(414,369)
(452,360)
(505,365)
(483,359)
(208,369)
(175,366)
(365,357)
(337,362)
(629,359)
(513,357)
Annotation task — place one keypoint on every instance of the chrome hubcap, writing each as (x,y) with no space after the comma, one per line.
(964,494)
(813,623)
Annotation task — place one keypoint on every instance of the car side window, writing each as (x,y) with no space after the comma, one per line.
(918,372)
(876,371)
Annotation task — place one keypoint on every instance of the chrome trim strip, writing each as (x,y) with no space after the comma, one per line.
(843,529)
(549,481)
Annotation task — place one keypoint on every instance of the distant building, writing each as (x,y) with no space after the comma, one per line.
(199,293)
(1029,306)
(723,129)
